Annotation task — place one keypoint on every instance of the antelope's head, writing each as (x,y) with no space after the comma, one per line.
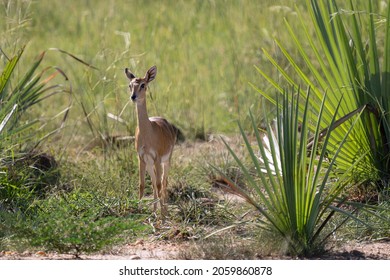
(138,86)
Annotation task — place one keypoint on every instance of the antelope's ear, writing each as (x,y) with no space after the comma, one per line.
(129,75)
(151,74)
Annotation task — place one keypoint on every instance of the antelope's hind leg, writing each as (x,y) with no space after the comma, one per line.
(151,171)
(164,188)
(159,185)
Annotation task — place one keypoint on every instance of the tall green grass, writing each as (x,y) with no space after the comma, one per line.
(205,55)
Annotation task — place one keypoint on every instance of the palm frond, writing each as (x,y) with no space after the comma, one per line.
(349,64)
(296,187)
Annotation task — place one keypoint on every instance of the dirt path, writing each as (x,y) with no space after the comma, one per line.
(378,250)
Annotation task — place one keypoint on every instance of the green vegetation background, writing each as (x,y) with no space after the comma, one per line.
(205,52)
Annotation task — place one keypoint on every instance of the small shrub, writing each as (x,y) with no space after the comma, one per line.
(76,223)
(194,205)
(25,178)
(228,245)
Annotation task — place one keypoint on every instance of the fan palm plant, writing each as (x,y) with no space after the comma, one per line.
(352,59)
(17,134)
(298,193)
(31,89)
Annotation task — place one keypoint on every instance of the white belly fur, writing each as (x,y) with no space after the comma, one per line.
(150,158)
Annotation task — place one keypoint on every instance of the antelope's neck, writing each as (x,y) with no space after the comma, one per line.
(144,124)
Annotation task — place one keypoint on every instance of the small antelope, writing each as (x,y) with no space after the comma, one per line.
(155,138)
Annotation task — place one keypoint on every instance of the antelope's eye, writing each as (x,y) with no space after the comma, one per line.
(142,86)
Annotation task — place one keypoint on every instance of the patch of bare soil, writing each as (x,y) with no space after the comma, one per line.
(159,250)
(134,251)
(365,250)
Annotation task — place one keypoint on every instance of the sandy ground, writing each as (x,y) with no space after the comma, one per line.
(378,250)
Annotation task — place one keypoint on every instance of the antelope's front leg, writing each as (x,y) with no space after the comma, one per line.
(142,170)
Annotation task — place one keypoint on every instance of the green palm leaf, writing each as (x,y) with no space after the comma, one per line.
(298,198)
(348,64)
(34,87)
